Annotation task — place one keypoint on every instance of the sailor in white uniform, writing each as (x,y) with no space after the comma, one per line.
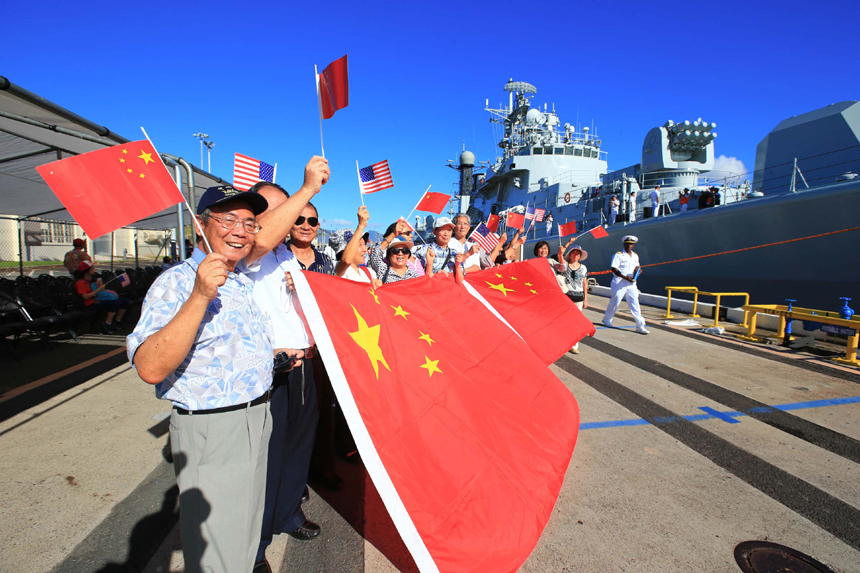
(631,207)
(624,266)
(655,202)
(614,203)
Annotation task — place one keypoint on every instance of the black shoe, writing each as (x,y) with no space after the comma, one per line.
(108,329)
(262,567)
(306,495)
(309,530)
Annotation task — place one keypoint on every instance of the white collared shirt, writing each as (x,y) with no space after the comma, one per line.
(279,306)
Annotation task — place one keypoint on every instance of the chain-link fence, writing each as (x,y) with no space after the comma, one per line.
(38,246)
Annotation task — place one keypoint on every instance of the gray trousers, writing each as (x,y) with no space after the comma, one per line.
(220,465)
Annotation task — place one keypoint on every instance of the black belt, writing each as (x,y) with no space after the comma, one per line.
(255,402)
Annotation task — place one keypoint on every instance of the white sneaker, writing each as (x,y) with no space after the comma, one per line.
(606,323)
(641,330)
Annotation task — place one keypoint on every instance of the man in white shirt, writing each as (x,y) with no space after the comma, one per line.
(625,267)
(294,404)
(655,202)
(614,203)
(461,244)
(631,207)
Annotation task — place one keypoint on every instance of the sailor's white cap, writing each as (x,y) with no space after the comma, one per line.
(630,239)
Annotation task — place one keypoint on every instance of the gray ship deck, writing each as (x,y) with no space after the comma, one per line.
(678,461)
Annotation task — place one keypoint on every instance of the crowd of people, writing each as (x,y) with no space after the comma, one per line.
(221,337)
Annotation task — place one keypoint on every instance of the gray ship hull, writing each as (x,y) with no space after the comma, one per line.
(814,271)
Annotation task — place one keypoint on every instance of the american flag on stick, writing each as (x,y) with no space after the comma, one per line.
(530,213)
(485,237)
(539,213)
(124,280)
(247,171)
(375,178)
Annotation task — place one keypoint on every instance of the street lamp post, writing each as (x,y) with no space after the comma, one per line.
(209,145)
(202,137)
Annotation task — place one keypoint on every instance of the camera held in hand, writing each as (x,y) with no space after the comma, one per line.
(284,362)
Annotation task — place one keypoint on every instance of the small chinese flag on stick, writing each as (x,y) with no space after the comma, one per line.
(107,189)
(433,202)
(515,220)
(493,223)
(567,229)
(334,88)
(599,232)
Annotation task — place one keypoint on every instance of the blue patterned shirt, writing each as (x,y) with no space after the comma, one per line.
(443,254)
(231,360)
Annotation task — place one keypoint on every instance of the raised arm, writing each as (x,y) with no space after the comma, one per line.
(275,224)
(352,246)
(164,351)
(494,254)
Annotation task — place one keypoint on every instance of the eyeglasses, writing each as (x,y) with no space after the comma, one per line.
(312,221)
(399,251)
(229,222)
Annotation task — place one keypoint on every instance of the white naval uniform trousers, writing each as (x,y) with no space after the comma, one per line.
(621,288)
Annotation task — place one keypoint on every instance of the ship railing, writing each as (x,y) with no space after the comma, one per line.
(696,292)
(813,319)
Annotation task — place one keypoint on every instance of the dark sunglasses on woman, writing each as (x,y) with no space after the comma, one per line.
(312,221)
(399,251)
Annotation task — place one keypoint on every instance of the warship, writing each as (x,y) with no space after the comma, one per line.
(790,233)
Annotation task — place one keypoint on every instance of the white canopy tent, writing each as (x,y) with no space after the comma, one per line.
(35,131)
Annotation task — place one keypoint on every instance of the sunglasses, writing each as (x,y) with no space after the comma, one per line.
(399,251)
(312,221)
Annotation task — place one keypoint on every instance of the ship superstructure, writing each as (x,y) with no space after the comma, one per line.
(732,235)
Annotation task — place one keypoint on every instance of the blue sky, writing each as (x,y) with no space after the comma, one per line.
(419,75)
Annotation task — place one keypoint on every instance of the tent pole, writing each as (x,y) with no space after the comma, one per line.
(20,251)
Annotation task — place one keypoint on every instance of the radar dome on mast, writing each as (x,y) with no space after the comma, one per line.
(467,158)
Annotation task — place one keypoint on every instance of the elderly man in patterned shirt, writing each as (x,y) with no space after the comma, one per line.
(205,345)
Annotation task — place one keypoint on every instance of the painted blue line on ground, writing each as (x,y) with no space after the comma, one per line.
(614,327)
(724,416)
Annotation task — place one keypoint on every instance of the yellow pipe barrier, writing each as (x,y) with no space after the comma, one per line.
(809,315)
(696,292)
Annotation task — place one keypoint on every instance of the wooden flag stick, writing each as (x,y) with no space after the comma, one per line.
(319,105)
(360,190)
(190,210)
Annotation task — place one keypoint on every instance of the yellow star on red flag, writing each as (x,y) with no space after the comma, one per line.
(426,337)
(147,157)
(501,288)
(367,337)
(431,366)
(398,311)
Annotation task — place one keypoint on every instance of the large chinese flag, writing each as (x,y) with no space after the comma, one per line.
(433,202)
(515,220)
(334,87)
(465,432)
(528,297)
(110,188)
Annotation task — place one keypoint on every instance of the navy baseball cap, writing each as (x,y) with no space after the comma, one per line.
(223,193)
